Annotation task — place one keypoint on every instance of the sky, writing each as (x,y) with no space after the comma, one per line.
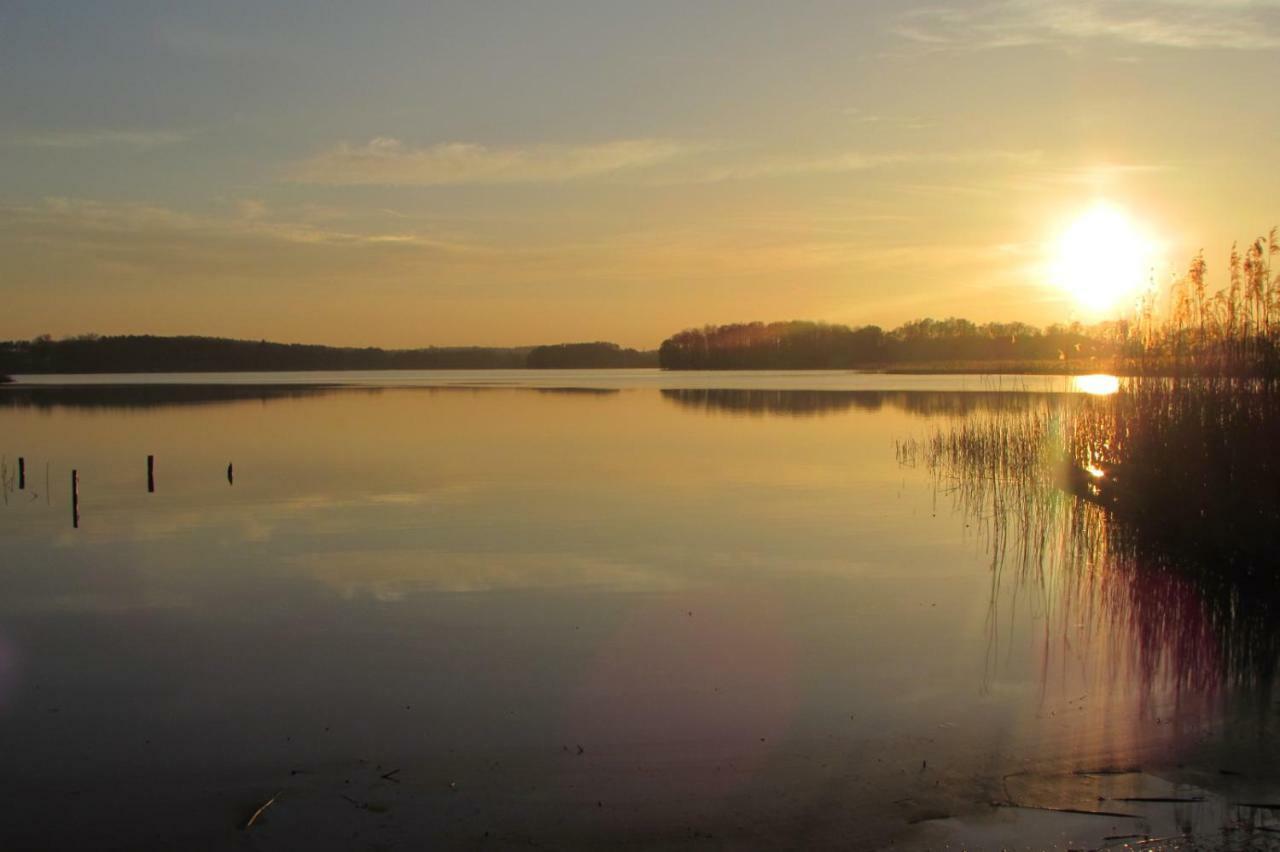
(509,173)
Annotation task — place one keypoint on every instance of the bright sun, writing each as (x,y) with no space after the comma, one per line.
(1103,260)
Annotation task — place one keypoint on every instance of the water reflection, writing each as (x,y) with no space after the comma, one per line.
(48,397)
(731,616)
(803,403)
(156,395)
(1190,625)
(1098,384)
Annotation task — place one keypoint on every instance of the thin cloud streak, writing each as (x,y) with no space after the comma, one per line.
(1182,24)
(390,162)
(855,161)
(140,140)
(65,216)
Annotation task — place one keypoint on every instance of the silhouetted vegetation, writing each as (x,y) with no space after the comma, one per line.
(1234,331)
(598,355)
(1159,504)
(149,354)
(1189,455)
(1182,559)
(818,346)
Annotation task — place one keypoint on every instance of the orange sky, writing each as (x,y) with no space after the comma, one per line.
(514,174)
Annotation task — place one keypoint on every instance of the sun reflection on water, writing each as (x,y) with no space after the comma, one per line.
(1098,384)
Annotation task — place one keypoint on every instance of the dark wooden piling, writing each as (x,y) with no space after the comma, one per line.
(75,499)
(231,474)
(151,474)
(22,473)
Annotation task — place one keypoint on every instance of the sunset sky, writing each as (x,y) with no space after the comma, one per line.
(409,174)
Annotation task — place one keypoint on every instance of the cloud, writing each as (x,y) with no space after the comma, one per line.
(97,223)
(654,162)
(390,162)
(1184,24)
(139,140)
(859,161)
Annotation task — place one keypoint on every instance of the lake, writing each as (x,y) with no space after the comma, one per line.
(568,610)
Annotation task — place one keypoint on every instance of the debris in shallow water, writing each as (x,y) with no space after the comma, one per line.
(1150,840)
(253,819)
(1116,814)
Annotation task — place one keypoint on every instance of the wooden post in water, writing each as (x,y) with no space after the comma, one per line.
(151,474)
(231,474)
(75,499)
(22,473)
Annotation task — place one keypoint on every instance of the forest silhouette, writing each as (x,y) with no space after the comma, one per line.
(923,343)
(92,353)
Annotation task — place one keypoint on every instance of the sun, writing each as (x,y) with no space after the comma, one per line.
(1102,260)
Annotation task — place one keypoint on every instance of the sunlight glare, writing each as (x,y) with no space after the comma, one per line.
(1102,260)
(1098,384)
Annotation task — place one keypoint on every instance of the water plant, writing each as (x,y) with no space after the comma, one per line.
(1156,508)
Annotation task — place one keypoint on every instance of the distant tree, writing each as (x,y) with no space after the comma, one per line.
(598,355)
(810,345)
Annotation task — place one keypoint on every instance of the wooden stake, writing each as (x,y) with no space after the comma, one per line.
(22,473)
(151,474)
(75,499)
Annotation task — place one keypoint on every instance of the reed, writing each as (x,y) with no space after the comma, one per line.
(1233,331)
(1156,509)
(1187,578)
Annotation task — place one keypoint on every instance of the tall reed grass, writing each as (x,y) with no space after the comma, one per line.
(1159,505)
(1233,331)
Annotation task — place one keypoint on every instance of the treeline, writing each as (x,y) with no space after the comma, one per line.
(588,356)
(150,354)
(801,345)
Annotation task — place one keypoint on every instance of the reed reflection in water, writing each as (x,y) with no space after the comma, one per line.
(805,403)
(1155,561)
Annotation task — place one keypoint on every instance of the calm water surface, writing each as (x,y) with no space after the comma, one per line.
(682,598)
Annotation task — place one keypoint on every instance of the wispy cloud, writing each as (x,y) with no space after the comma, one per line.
(1185,24)
(390,162)
(252,221)
(81,139)
(836,162)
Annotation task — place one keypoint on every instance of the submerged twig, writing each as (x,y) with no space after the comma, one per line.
(1116,814)
(268,803)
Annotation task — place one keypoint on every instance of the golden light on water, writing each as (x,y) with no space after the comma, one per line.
(1098,384)
(1102,260)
